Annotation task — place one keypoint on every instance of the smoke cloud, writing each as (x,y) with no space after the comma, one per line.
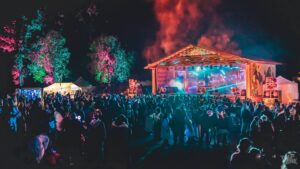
(180,24)
(219,37)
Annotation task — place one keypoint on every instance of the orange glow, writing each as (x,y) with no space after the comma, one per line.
(200,56)
(132,90)
(179,21)
(219,37)
(154,86)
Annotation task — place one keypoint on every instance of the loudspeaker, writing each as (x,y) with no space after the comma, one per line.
(243,92)
(275,94)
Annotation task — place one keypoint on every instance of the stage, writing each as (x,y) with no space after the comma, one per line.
(199,70)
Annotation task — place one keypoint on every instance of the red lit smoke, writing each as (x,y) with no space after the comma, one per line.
(180,22)
(219,37)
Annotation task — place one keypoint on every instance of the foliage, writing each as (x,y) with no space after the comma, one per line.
(35,25)
(8,40)
(49,59)
(24,49)
(15,75)
(104,64)
(109,61)
(39,72)
(122,69)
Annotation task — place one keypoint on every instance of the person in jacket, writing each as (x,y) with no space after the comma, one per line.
(118,144)
(96,135)
(246,118)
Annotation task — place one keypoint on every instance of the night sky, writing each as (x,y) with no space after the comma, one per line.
(266,29)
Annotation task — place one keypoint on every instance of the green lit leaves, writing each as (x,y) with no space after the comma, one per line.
(38,73)
(35,25)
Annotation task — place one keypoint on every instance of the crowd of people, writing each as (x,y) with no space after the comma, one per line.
(98,129)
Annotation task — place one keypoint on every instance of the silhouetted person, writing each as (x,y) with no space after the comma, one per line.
(118,144)
(241,158)
(96,135)
(258,160)
(178,126)
(246,119)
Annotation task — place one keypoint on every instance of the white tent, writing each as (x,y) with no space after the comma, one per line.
(62,88)
(289,89)
(84,85)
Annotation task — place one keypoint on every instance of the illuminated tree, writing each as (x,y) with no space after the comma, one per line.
(102,62)
(109,61)
(49,59)
(15,75)
(122,68)
(24,49)
(37,72)
(8,42)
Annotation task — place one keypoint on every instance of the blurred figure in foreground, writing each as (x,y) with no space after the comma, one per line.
(118,144)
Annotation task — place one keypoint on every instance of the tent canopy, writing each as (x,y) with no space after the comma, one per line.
(63,88)
(282,80)
(82,82)
(288,88)
(85,85)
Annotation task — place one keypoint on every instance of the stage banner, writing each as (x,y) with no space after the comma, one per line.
(260,74)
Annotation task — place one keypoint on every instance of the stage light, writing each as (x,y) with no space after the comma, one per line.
(194,73)
(178,84)
(223,72)
(198,68)
(226,86)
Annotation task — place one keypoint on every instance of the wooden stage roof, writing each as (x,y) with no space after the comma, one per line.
(196,55)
